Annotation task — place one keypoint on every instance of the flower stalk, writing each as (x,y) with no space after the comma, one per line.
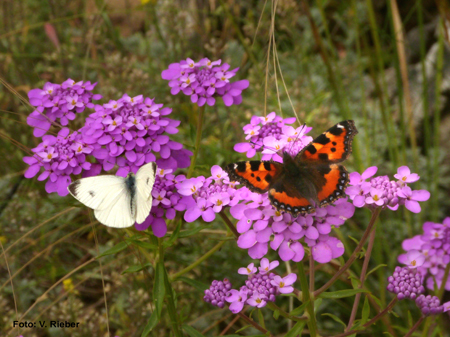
(307,297)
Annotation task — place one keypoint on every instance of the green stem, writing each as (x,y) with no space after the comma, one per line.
(198,139)
(444,282)
(255,325)
(285,314)
(199,261)
(307,297)
(352,258)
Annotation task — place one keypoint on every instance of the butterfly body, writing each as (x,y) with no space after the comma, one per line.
(117,201)
(313,178)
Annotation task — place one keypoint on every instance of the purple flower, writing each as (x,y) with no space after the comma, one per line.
(430,251)
(406,283)
(429,305)
(267,266)
(57,103)
(381,192)
(412,198)
(204,81)
(217,293)
(237,300)
(414,259)
(284,284)
(405,176)
(257,300)
(249,270)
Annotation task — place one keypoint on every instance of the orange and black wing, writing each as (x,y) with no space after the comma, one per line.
(256,175)
(332,187)
(332,146)
(286,197)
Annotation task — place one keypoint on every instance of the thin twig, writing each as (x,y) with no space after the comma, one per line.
(255,325)
(352,258)
(229,224)
(362,278)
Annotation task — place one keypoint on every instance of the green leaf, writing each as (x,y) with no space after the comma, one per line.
(261,319)
(366,311)
(136,268)
(114,250)
(377,300)
(174,236)
(377,267)
(196,284)
(356,283)
(342,293)
(335,318)
(276,314)
(150,324)
(192,331)
(296,329)
(190,232)
(317,303)
(143,244)
(299,310)
(243,328)
(159,289)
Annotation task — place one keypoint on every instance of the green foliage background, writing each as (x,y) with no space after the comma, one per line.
(327,60)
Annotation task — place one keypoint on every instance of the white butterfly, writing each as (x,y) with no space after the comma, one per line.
(118,202)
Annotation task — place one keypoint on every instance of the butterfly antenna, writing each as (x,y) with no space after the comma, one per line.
(298,135)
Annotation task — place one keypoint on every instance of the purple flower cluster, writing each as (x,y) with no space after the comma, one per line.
(130,131)
(217,292)
(406,283)
(431,251)
(204,81)
(382,192)
(261,226)
(60,157)
(210,195)
(59,103)
(166,202)
(271,135)
(259,288)
(429,305)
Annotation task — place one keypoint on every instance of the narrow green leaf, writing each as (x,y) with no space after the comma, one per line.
(276,314)
(190,232)
(377,300)
(296,329)
(374,269)
(196,284)
(366,311)
(299,310)
(174,236)
(114,250)
(335,318)
(192,331)
(356,283)
(243,328)
(342,293)
(143,244)
(150,324)
(136,268)
(261,319)
(159,289)
(410,319)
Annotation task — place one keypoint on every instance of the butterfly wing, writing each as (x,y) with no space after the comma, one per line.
(285,196)
(332,146)
(145,178)
(331,184)
(108,196)
(256,175)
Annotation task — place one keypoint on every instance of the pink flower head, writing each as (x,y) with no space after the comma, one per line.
(414,259)
(376,197)
(257,300)
(250,270)
(267,266)
(405,176)
(237,300)
(412,198)
(284,284)
(356,178)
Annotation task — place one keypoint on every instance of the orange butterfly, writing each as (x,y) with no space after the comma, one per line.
(313,178)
